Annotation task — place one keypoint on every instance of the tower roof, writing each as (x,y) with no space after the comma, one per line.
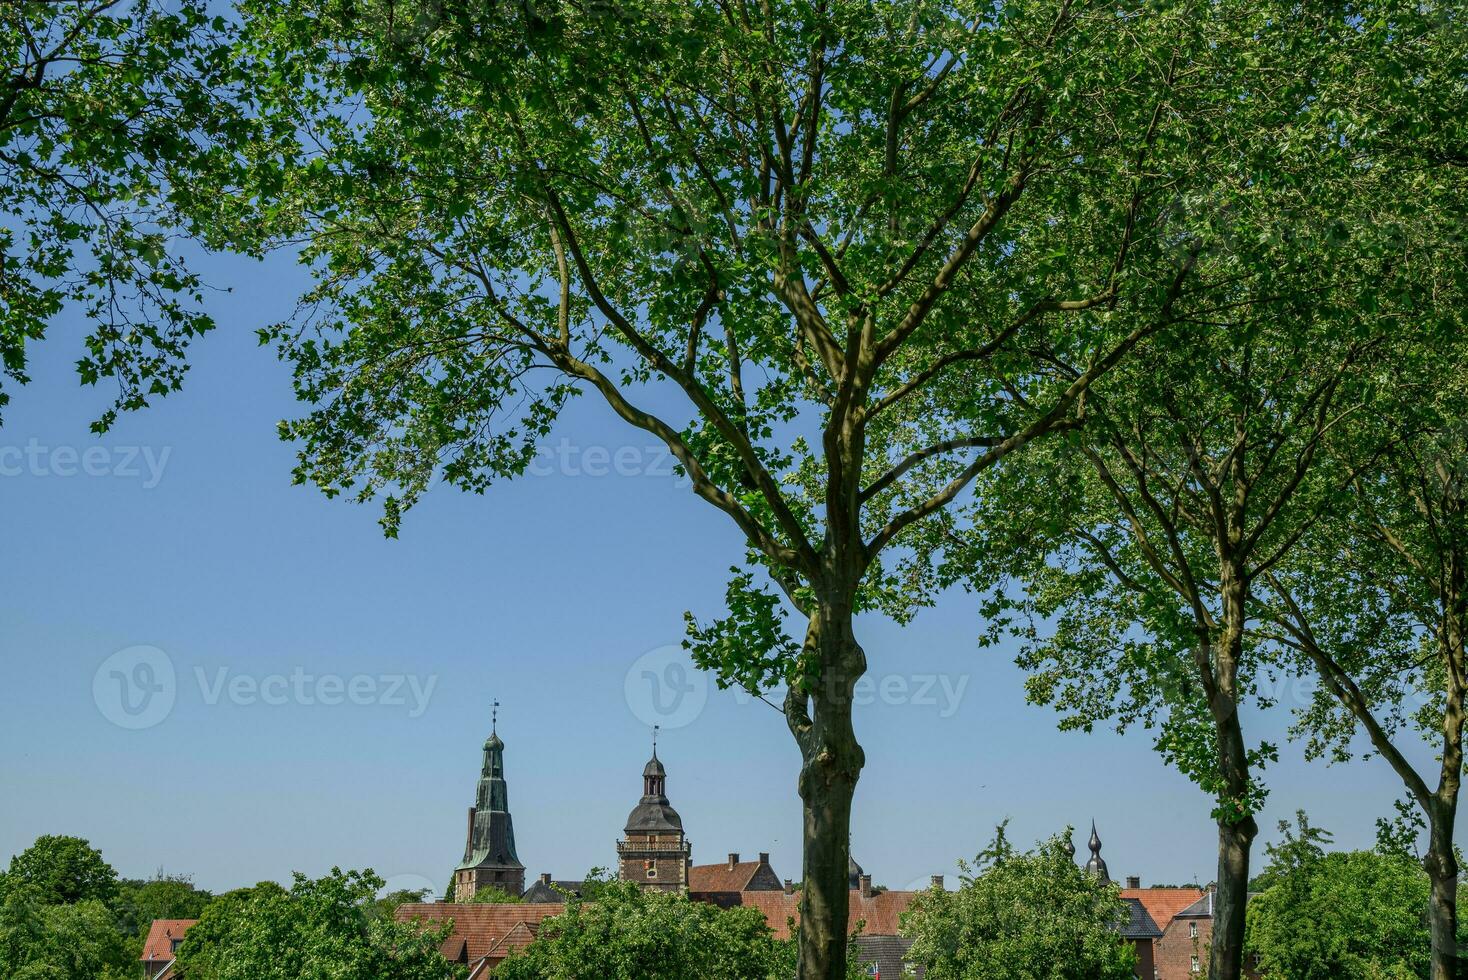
(653,814)
(1096,865)
(492,833)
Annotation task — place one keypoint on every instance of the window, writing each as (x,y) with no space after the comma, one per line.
(652,872)
(1196,968)
(173,945)
(1192,930)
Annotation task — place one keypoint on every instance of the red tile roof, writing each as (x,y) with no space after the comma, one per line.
(159,944)
(721,877)
(481,930)
(881,912)
(1163,903)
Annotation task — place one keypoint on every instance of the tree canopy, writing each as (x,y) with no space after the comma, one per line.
(117,117)
(64,870)
(1030,916)
(324,929)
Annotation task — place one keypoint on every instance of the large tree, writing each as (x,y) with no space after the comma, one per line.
(1376,605)
(840,257)
(1135,549)
(64,870)
(113,115)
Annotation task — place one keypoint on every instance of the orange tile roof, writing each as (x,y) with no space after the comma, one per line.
(881,912)
(480,930)
(721,877)
(1162,904)
(159,944)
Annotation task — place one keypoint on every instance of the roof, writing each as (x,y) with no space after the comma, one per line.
(887,953)
(541,893)
(722,877)
(159,944)
(1139,925)
(881,912)
(480,930)
(653,815)
(1163,904)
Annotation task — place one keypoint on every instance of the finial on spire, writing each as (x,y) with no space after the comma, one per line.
(655,730)
(494,718)
(1097,865)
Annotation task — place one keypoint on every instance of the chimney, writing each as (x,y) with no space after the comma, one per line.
(865,883)
(936,881)
(789,887)
(733,859)
(1134,881)
(545,879)
(764,857)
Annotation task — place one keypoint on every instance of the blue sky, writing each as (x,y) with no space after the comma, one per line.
(332,688)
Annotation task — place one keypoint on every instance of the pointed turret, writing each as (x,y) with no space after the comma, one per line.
(1096,865)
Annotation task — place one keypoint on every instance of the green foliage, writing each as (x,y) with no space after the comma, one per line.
(138,903)
(631,934)
(387,905)
(1359,915)
(64,870)
(115,118)
(494,895)
(326,929)
(1026,916)
(41,941)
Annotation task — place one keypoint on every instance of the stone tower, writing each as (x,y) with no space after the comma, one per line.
(489,853)
(653,851)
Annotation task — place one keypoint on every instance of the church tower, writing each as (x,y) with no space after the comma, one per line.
(489,853)
(653,851)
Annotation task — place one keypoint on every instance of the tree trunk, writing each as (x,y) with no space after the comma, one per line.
(831,764)
(1226,958)
(1442,869)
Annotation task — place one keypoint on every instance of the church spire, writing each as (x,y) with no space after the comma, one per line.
(489,852)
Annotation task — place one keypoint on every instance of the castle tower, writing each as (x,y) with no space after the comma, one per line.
(653,851)
(489,853)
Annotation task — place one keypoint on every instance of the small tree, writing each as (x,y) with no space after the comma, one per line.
(41,941)
(1338,916)
(1032,916)
(324,929)
(632,934)
(164,896)
(494,895)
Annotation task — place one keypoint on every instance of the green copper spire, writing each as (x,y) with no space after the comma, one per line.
(492,835)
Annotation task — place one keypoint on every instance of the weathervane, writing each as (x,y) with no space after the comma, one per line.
(655,729)
(494,719)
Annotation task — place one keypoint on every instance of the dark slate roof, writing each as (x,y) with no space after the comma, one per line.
(887,953)
(853,872)
(1201,909)
(554,893)
(653,815)
(1140,925)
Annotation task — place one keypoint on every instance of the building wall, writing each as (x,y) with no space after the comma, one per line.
(657,862)
(1178,946)
(468,881)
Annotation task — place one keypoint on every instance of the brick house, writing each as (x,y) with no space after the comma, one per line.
(161,945)
(483,935)
(1182,952)
(724,884)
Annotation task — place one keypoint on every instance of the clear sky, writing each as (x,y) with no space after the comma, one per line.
(331,689)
